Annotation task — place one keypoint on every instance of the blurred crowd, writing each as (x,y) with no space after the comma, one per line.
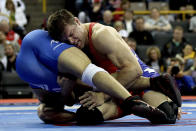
(12,29)
(175,56)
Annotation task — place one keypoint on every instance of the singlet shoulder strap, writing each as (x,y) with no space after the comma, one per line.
(90,32)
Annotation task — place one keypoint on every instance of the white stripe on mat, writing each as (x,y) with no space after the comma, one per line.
(14,108)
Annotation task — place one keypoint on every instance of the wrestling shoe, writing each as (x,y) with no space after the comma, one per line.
(166,84)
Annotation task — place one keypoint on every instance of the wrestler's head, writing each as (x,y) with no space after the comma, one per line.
(63,26)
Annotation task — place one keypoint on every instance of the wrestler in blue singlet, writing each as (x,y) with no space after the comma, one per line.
(37,60)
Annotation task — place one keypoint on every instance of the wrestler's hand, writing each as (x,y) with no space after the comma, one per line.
(179,113)
(92,99)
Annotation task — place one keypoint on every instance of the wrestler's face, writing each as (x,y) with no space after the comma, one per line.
(74,33)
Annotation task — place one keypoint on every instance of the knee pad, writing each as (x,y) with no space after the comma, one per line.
(171,112)
(88,117)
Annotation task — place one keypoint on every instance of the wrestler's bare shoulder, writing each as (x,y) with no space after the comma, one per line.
(100,30)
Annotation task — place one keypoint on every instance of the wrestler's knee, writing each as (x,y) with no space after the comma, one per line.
(51,115)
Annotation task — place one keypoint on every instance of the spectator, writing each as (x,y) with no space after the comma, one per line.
(192,26)
(179,16)
(156,22)
(118,25)
(107,18)
(20,18)
(128,20)
(109,5)
(188,56)
(124,34)
(175,45)
(192,70)
(9,59)
(166,15)
(188,16)
(84,8)
(9,9)
(189,7)
(124,5)
(4,17)
(132,44)
(185,82)
(154,59)
(142,36)
(11,36)
(2,44)
(14,9)
(83,17)
(96,13)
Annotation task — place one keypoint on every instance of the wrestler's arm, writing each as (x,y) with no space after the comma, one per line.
(109,43)
(67,86)
(74,61)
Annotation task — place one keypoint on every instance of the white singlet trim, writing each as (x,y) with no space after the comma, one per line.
(89,72)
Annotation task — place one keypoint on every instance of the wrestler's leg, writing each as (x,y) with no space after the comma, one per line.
(154,98)
(164,111)
(163,83)
(110,110)
(51,110)
(163,103)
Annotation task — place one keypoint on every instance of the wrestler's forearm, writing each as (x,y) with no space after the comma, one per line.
(86,87)
(107,84)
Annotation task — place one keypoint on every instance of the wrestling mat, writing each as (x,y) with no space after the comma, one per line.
(21,115)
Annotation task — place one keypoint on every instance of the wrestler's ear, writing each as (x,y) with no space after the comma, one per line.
(77,20)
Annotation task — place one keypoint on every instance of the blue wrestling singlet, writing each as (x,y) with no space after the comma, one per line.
(37,60)
(147,71)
